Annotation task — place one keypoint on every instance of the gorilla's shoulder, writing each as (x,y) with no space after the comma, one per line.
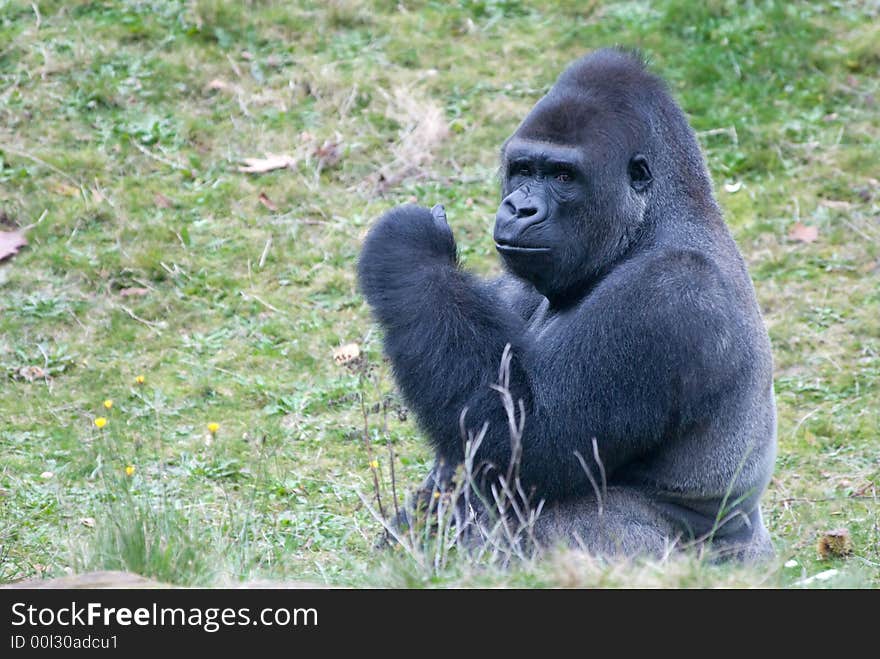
(669,269)
(687,269)
(676,287)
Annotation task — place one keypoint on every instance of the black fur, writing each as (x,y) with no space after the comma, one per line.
(630,315)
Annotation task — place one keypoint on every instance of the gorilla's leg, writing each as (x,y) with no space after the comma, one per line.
(630,523)
(439,480)
(750,543)
(626,524)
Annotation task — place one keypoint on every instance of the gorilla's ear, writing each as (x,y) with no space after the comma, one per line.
(639,173)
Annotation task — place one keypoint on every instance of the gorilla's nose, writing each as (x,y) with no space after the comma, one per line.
(518,211)
(521,205)
(527,210)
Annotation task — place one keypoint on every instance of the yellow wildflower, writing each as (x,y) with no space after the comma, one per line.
(213,428)
(108,403)
(374,464)
(100,422)
(139,380)
(129,470)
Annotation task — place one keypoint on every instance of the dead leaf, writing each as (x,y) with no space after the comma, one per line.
(268,203)
(88,522)
(11,242)
(31,373)
(162,201)
(802,233)
(270,162)
(64,189)
(329,154)
(835,544)
(217,85)
(350,353)
(133,292)
(868,487)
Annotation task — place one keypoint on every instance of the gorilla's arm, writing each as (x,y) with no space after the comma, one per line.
(612,368)
(445,330)
(517,294)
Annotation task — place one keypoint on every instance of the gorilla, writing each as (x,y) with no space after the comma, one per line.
(635,345)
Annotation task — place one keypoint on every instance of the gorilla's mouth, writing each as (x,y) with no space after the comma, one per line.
(510,248)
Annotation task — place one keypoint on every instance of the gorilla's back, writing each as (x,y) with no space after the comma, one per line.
(710,472)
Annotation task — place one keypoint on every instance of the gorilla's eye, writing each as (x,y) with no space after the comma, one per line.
(564,177)
(520,168)
(639,173)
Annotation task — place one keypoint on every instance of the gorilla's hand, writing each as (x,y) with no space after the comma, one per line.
(413,233)
(438,213)
(404,246)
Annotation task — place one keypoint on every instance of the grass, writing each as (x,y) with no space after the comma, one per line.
(122,126)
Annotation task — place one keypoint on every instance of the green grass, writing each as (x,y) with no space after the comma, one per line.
(117,147)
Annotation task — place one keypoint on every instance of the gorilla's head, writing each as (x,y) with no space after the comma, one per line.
(580,174)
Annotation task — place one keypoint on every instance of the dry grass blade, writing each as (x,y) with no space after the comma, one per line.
(270,163)
(423,130)
(458,516)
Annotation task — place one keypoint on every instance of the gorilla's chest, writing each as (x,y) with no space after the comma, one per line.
(541,319)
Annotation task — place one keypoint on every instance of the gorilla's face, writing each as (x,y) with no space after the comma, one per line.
(545,189)
(569,207)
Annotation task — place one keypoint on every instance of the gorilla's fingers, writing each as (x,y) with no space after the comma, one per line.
(439,214)
(440,221)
